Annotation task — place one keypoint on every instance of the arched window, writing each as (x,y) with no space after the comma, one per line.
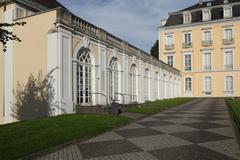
(156,85)
(146,84)
(84,77)
(113,79)
(133,83)
(164,86)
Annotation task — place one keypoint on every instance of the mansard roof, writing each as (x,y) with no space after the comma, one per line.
(49,3)
(216,7)
(213,3)
(43,4)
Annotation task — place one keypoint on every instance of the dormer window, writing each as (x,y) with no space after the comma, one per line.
(227,12)
(206,15)
(187,17)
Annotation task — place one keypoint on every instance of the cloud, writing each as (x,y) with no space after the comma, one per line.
(135,21)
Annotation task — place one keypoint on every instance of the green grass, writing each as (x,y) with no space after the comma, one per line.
(24,138)
(234,109)
(157,106)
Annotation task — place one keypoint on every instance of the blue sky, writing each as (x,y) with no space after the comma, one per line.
(135,21)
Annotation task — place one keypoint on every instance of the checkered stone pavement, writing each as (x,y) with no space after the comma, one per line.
(199,130)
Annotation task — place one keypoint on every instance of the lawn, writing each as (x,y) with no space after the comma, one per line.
(24,138)
(234,108)
(157,106)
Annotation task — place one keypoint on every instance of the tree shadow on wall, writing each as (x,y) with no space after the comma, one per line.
(36,98)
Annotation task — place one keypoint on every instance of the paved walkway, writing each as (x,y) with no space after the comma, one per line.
(199,130)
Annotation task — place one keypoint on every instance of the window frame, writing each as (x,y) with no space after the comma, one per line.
(113,79)
(204,65)
(133,82)
(225,59)
(225,35)
(206,15)
(187,40)
(186,89)
(146,82)
(207,90)
(225,8)
(173,59)
(226,87)
(187,17)
(167,42)
(185,37)
(156,84)
(184,61)
(204,37)
(84,77)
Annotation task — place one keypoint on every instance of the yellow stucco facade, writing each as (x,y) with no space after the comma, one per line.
(28,56)
(37,48)
(197,73)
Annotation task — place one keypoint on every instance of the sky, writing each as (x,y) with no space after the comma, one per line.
(134,21)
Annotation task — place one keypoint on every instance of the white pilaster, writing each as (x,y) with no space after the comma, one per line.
(8,72)
(60,62)
(103,76)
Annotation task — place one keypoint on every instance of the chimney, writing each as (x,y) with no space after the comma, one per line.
(200,2)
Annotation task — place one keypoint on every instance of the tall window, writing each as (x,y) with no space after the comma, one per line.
(170,60)
(113,79)
(207,37)
(206,15)
(146,84)
(207,61)
(84,77)
(133,83)
(228,35)
(164,86)
(156,85)
(208,85)
(229,84)
(188,62)
(169,41)
(188,84)
(228,59)
(187,40)
(227,12)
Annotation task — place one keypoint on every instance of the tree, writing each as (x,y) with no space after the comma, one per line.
(155,50)
(6,35)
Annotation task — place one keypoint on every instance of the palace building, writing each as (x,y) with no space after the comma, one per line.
(90,66)
(202,41)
